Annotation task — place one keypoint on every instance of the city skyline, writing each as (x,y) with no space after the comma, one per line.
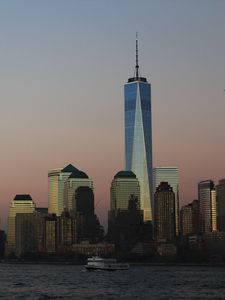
(62,91)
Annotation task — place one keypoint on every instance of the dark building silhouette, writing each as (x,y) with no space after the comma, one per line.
(220,197)
(84,200)
(189,219)
(88,226)
(2,243)
(30,231)
(164,212)
(126,227)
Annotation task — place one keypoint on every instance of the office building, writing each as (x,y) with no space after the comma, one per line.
(170,175)
(30,232)
(164,212)
(22,203)
(220,195)
(207,206)
(67,232)
(56,182)
(189,219)
(2,243)
(88,225)
(138,135)
(124,185)
(75,180)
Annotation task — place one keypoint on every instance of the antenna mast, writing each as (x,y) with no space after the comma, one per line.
(137,66)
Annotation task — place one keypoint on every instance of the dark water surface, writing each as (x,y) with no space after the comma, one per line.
(73,282)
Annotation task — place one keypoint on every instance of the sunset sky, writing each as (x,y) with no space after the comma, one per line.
(63,65)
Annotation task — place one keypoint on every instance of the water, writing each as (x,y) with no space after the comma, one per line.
(73,282)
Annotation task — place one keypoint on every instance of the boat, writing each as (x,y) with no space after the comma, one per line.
(106,264)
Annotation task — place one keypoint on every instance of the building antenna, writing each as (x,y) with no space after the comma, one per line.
(137,66)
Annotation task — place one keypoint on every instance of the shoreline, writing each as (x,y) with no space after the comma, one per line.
(132,264)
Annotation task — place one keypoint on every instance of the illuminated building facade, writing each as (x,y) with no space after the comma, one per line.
(22,203)
(207,206)
(138,135)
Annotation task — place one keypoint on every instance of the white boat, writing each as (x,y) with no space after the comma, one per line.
(107,264)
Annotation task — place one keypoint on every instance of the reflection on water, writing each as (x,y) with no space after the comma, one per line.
(73,282)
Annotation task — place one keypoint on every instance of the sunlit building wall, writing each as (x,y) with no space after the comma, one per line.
(207,206)
(170,175)
(123,186)
(138,136)
(56,181)
(21,204)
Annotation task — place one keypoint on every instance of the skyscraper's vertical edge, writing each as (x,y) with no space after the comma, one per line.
(138,135)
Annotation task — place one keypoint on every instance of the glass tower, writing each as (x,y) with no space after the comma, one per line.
(170,175)
(138,135)
(207,206)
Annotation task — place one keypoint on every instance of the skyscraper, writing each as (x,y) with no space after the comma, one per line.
(164,212)
(170,175)
(75,180)
(56,181)
(20,204)
(138,135)
(207,206)
(124,185)
(189,219)
(220,194)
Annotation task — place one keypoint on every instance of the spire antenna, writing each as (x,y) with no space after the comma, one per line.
(137,66)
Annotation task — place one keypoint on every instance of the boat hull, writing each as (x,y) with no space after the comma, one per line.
(106,268)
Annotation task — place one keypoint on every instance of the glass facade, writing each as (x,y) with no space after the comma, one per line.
(122,188)
(170,175)
(70,187)
(138,138)
(56,180)
(207,206)
(19,205)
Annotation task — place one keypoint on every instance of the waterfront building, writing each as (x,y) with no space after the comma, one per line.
(88,225)
(124,185)
(89,249)
(56,181)
(138,135)
(170,175)
(30,232)
(126,226)
(22,203)
(76,179)
(189,219)
(164,212)
(67,232)
(220,195)
(2,243)
(51,234)
(207,206)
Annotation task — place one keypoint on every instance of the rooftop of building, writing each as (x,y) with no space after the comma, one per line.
(78,174)
(125,174)
(22,197)
(75,173)
(69,169)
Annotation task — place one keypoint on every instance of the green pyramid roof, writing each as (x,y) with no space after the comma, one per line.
(69,169)
(125,174)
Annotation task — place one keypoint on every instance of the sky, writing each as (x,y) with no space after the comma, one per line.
(63,65)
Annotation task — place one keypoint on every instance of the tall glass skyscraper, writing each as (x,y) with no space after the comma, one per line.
(138,135)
